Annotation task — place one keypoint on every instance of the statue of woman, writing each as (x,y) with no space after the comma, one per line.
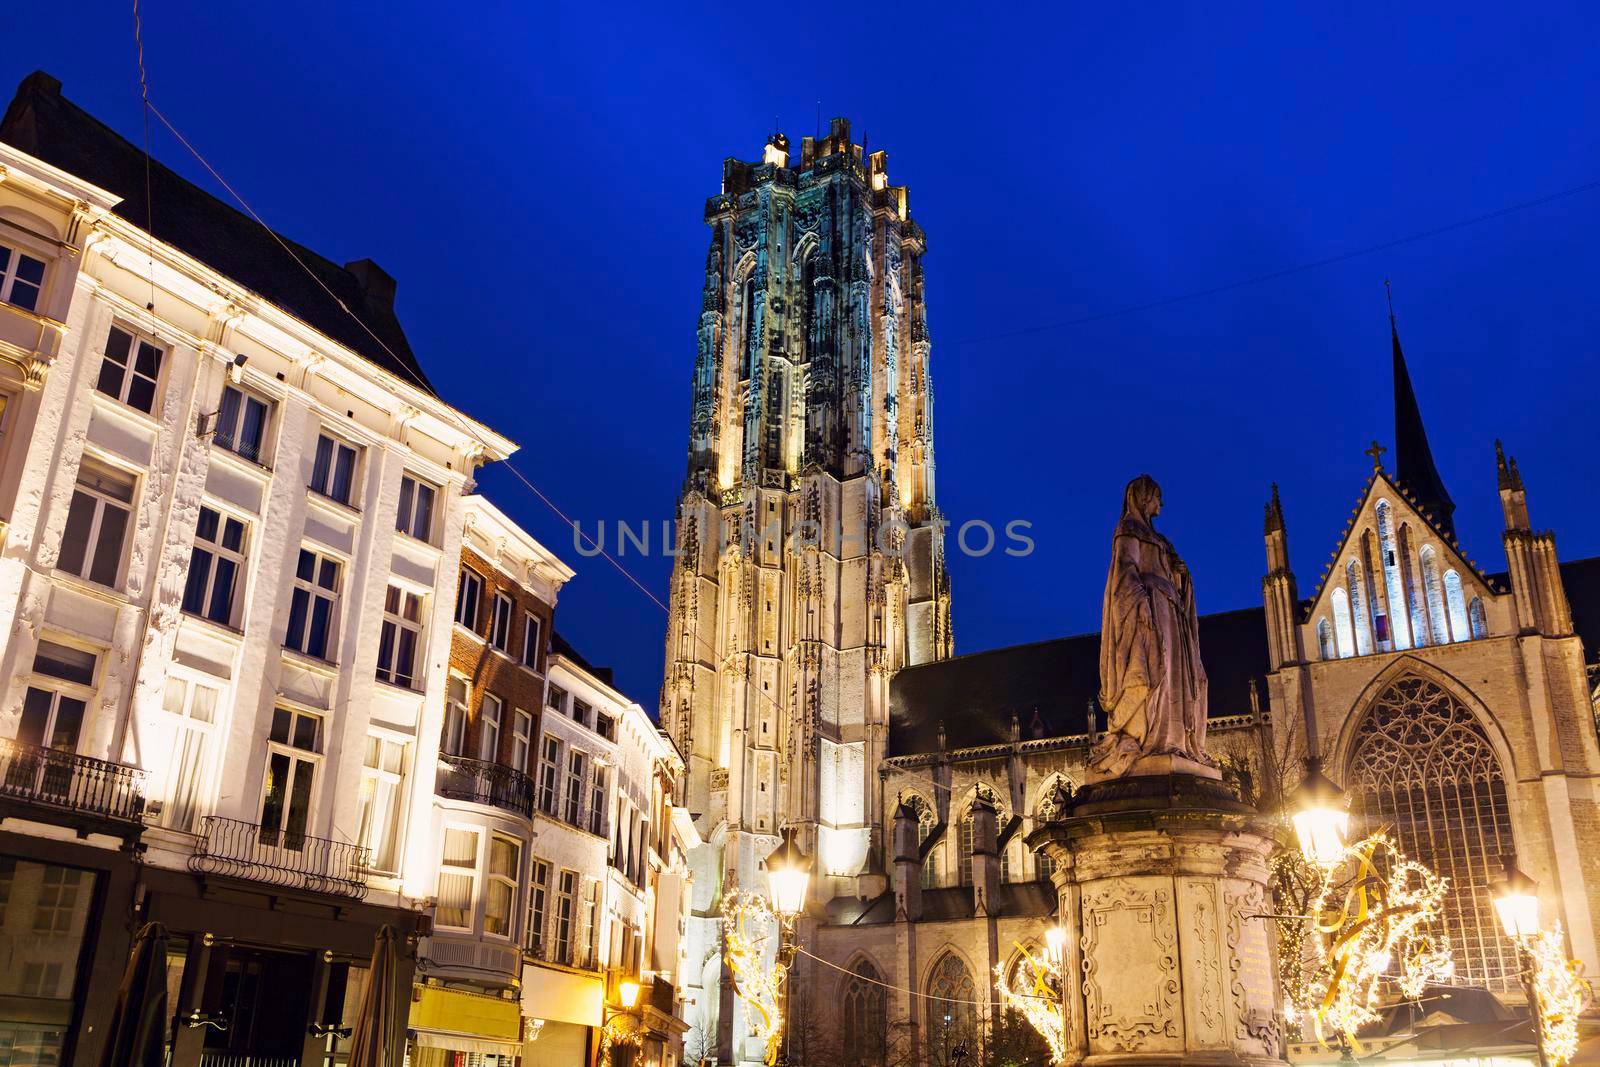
(1152,683)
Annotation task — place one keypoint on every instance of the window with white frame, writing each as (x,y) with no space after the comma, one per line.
(242,420)
(383,776)
(415,515)
(580,712)
(605,726)
(538,902)
(314,605)
(490,714)
(97,523)
(500,623)
(577,764)
(556,697)
(184,737)
(454,739)
(130,369)
(468,596)
(400,638)
(333,470)
(21,278)
(458,878)
(216,563)
(500,891)
(597,802)
(58,696)
(566,911)
(549,768)
(530,640)
(521,739)
(294,750)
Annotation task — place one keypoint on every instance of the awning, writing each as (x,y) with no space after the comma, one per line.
(466,1022)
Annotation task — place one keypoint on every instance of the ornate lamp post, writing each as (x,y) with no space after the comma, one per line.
(788,883)
(628,996)
(1516,901)
(1320,815)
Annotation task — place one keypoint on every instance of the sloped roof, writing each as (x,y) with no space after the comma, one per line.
(974,696)
(1015,900)
(46,125)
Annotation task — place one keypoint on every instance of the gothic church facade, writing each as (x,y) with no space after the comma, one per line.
(810,679)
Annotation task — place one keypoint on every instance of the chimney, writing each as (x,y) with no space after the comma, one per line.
(376,283)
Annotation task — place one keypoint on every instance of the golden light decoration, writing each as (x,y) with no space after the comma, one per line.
(1037,996)
(1372,919)
(612,1035)
(747,922)
(1562,992)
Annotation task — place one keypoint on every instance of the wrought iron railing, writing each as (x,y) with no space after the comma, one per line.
(229,1058)
(69,782)
(483,782)
(255,853)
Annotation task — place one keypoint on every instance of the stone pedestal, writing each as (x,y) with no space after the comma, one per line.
(1162,879)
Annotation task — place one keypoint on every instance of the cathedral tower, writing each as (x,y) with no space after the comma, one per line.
(810,551)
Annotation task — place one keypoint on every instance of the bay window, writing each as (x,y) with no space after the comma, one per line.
(500,891)
(458,878)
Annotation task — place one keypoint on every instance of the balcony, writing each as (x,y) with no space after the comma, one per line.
(64,787)
(288,860)
(482,782)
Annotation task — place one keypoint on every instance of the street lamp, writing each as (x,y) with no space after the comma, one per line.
(1321,817)
(628,993)
(628,996)
(1055,942)
(789,883)
(1516,901)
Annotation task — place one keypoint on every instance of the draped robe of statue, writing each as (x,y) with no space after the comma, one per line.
(1152,683)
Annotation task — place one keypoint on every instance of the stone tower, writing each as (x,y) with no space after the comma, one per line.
(810,551)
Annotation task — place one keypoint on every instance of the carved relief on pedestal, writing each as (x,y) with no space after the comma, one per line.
(1252,982)
(1130,964)
(1207,963)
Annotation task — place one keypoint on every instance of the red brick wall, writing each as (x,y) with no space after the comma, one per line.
(489,671)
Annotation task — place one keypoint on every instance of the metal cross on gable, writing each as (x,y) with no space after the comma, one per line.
(1376,452)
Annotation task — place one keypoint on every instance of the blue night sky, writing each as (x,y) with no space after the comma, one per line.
(535,178)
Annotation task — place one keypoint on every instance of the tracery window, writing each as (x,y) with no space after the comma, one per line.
(747,360)
(1457,605)
(865,1015)
(1438,628)
(1389,559)
(1356,579)
(1341,623)
(1480,624)
(1421,765)
(925,824)
(952,1027)
(964,838)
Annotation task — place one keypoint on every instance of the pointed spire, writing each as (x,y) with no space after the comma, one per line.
(1274,512)
(1413,459)
(1506,469)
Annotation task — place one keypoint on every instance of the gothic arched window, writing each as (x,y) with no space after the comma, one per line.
(925,823)
(1389,559)
(1457,605)
(964,838)
(1356,580)
(1438,628)
(952,1029)
(1421,765)
(1341,623)
(1480,623)
(864,1015)
(749,340)
(1325,639)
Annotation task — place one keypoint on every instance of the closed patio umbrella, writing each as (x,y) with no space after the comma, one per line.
(137,1036)
(375,1040)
